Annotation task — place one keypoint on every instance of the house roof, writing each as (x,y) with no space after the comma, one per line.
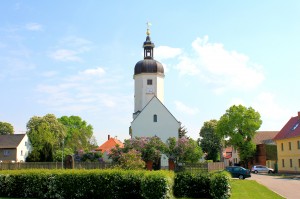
(290,129)
(261,137)
(227,153)
(109,144)
(10,141)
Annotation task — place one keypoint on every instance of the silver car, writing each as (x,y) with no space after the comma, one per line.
(261,169)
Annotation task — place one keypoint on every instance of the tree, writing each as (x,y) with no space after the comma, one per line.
(79,134)
(210,141)
(45,134)
(6,128)
(183,150)
(182,131)
(131,160)
(239,124)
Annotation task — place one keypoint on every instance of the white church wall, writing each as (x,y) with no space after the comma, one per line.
(165,127)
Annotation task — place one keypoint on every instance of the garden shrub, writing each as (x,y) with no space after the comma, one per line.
(191,184)
(220,185)
(108,184)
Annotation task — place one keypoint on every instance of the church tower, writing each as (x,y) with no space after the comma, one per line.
(148,78)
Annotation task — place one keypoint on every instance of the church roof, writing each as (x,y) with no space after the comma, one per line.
(154,97)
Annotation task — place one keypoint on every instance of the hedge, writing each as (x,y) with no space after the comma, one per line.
(108,184)
(113,184)
(202,185)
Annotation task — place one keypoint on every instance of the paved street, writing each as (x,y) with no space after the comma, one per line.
(288,188)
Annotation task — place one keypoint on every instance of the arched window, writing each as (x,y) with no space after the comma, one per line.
(155,118)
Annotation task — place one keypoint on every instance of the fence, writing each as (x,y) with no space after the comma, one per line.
(53,165)
(200,167)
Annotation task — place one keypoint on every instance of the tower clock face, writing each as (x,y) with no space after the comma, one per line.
(149,90)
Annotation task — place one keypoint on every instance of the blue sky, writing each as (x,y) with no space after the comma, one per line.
(77,58)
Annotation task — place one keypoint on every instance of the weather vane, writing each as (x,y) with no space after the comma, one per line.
(148,27)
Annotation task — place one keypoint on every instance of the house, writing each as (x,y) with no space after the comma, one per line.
(107,146)
(14,148)
(231,156)
(288,146)
(266,150)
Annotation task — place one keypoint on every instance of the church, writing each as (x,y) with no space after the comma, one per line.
(151,117)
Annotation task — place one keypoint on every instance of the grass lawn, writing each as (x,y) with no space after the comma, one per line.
(251,189)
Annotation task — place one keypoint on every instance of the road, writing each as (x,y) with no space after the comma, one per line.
(288,188)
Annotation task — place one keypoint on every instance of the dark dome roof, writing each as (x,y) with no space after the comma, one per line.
(148,66)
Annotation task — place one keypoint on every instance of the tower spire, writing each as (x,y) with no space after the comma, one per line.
(148,45)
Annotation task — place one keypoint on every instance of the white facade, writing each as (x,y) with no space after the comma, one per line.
(23,149)
(146,86)
(155,120)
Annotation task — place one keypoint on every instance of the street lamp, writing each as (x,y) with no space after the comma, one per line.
(62,156)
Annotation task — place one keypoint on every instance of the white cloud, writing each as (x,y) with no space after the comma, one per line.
(185,109)
(266,105)
(219,67)
(70,49)
(65,55)
(94,72)
(166,52)
(34,27)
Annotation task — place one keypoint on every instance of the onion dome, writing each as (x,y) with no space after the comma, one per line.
(148,64)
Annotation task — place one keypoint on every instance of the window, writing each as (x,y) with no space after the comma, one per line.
(299,163)
(25,143)
(149,81)
(282,162)
(6,152)
(21,152)
(290,146)
(281,146)
(298,143)
(155,118)
(291,163)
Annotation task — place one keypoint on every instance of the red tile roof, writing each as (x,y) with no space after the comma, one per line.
(261,136)
(227,153)
(290,129)
(109,144)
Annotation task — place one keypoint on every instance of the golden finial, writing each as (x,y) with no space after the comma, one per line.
(148,28)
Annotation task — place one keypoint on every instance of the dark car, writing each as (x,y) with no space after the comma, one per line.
(238,172)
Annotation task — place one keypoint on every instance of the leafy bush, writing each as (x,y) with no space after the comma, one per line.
(219,185)
(108,184)
(194,185)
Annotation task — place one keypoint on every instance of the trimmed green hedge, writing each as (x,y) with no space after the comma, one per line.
(112,184)
(202,185)
(108,184)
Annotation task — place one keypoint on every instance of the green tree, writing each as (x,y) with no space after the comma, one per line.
(6,128)
(79,134)
(210,141)
(239,124)
(131,160)
(183,150)
(45,134)
(182,131)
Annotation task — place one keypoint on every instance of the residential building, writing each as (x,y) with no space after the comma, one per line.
(14,148)
(106,147)
(231,156)
(288,146)
(266,151)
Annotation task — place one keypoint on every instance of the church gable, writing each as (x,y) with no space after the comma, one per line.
(155,120)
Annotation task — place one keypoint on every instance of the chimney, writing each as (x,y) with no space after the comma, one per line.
(108,137)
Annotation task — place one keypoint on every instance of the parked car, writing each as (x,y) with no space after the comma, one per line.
(261,169)
(238,172)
